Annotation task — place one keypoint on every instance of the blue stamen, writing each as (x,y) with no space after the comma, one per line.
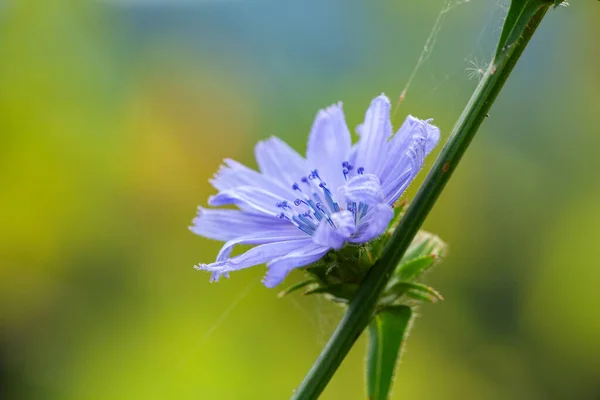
(317,198)
(326,214)
(307,222)
(297,202)
(283,204)
(360,170)
(332,204)
(349,207)
(362,210)
(307,215)
(304,227)
(318,213)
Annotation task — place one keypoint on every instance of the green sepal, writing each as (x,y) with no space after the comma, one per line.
(414,268)
(339,273)
(424,243)
(387,334)
(425,251)
(419,291)
(395,293)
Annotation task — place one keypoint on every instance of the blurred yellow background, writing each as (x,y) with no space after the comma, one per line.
(114,114)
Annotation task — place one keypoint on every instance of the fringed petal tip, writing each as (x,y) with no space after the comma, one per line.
(203,267)
(382,97)
(424,128)
(433,136)
(273,278)
(334,108)
(215,275)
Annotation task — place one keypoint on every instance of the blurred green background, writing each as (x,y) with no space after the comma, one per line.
(114,114)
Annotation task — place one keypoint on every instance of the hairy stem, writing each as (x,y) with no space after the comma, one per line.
(360,311)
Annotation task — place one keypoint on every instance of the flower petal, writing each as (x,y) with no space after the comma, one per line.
(374,223)
(248,198)
(335,237)
(255,256)
(329,145)
(279,161)
(234,174)
(397,147)
(374,134)
(433,137)
(362,189)
(290,232)
(411,164)
(281,267)
(222,224)
(414,132)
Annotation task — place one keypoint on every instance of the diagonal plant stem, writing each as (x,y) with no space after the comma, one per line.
(523,18)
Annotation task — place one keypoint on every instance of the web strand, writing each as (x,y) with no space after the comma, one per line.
(448,6)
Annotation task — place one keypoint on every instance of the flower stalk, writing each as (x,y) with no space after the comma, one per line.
(523,18)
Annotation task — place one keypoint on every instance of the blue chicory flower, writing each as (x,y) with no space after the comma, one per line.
(297,209)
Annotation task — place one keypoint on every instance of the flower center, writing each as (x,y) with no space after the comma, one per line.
(315,202)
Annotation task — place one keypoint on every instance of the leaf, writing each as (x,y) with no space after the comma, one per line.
(421,292)
(414,268)
(519,15)
(416,291)
(423,244)
(387,333)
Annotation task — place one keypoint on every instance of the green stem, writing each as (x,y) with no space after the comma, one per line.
(528,15)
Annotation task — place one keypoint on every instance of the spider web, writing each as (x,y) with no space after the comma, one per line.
(458,68)
(465,68)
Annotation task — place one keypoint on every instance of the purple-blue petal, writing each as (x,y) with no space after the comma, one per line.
(374,134)
(396,159)
(265,235)
(214,268)
(374,224)
(433,137)
(248,198)
(255,256)
(362,189)
(415,158)
(234,174)
(224,225)
(397,147)
(328,236)
(279,268)
(277,160)
(329,145)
